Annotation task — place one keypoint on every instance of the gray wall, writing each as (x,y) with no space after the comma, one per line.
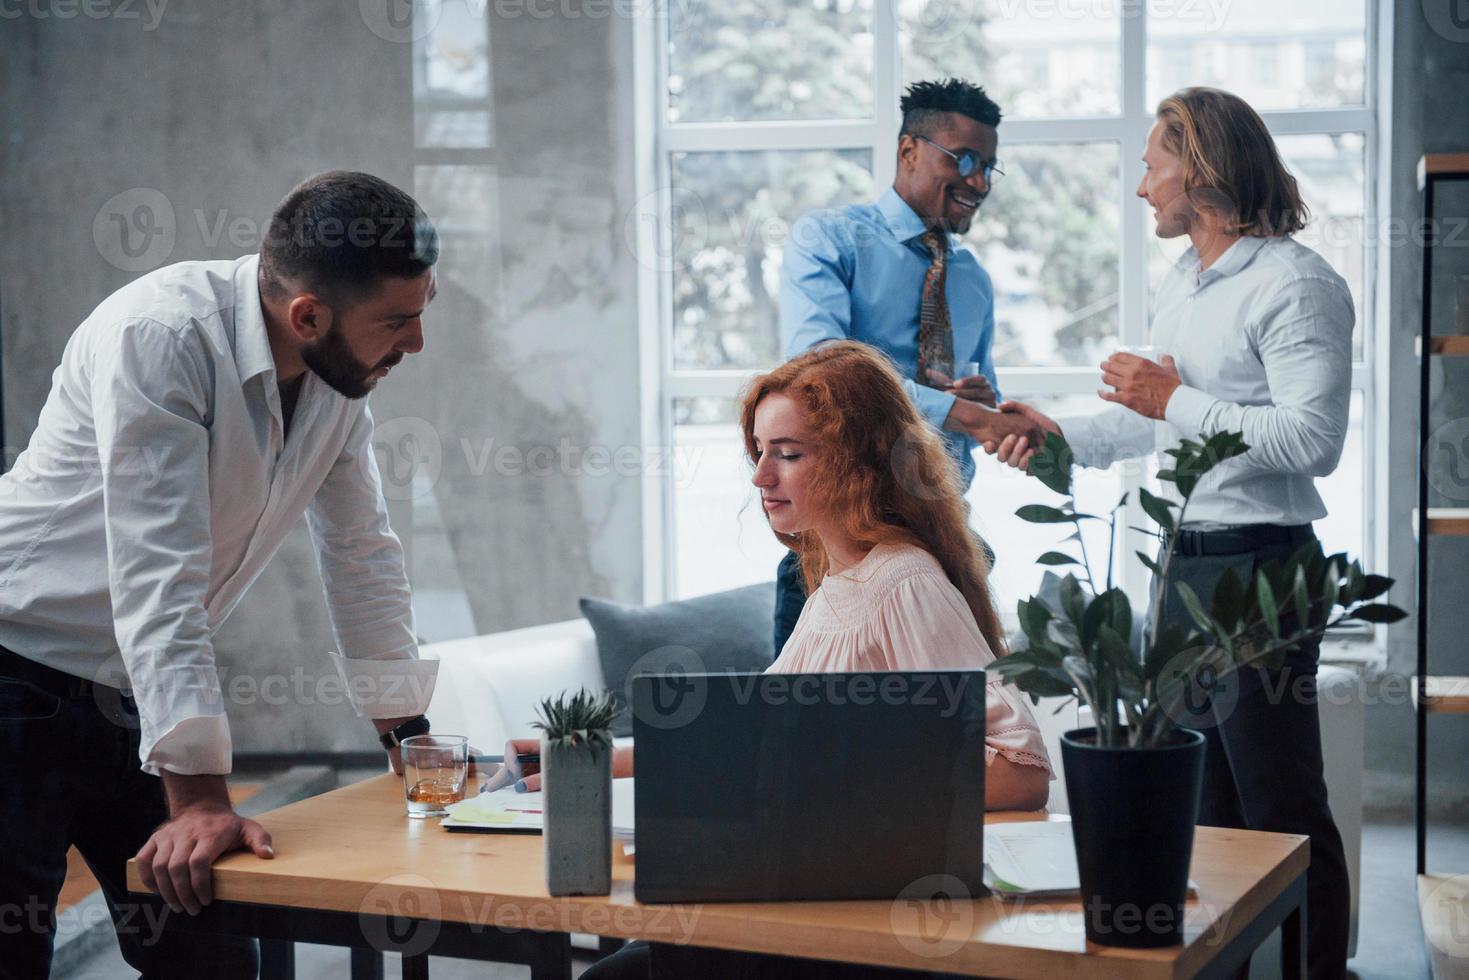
(222,107)
(1427,113)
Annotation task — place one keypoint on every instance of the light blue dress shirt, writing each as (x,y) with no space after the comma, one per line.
(857,273)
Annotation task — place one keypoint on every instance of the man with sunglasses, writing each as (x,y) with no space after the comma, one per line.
(893,274)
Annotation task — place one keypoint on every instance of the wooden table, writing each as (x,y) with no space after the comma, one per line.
(352,869)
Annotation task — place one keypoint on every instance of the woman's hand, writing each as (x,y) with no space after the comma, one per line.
(622,766)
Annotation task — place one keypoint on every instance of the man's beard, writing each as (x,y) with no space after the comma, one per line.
(333,362)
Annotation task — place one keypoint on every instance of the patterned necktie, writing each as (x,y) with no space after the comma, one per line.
(935,335)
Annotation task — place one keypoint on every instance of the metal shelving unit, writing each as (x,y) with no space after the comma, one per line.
(1442,898)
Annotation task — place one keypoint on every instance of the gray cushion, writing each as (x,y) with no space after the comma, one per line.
(1050,594)
(726,631)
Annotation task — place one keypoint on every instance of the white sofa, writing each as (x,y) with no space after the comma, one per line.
(489,686)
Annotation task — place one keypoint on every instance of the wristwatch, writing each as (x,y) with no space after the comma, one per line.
(409,728)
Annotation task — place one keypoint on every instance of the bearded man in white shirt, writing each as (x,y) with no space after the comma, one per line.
(1255,335)
(197,413)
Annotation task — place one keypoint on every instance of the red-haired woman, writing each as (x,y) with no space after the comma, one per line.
(855,482)
(859,486)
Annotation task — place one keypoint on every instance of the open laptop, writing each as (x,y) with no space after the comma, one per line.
(769,787)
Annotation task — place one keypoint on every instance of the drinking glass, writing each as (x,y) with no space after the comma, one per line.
(435,771)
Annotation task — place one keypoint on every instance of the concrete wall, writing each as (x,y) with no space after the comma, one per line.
(220,108)
(1427,72)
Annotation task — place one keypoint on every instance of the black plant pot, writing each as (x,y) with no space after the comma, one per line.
(1132,818)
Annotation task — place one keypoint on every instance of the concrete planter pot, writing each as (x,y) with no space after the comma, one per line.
(577,783)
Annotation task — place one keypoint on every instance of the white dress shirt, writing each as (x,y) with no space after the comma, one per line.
(158,484)
(1263,344)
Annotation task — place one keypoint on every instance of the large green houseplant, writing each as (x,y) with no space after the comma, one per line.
(1134,778)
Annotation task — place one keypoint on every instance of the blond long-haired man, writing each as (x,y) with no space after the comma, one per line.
(1254,330)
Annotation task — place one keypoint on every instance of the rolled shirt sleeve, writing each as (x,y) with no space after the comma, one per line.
(366,586)
(149,394)
(1303,337)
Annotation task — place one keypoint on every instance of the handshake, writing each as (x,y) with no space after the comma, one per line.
(1012,431)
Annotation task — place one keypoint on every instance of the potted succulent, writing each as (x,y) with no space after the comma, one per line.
(576,773)
(1134,778)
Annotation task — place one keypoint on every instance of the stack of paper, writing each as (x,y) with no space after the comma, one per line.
(507,811)
(1030,858)
(1033,858)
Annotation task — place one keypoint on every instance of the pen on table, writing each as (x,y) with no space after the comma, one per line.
(512,771)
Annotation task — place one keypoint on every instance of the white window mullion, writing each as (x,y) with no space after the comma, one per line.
(818,134)
(1137,119)
(1083,130)
(886,73)
(1307,122)
(661,293)
(649,41)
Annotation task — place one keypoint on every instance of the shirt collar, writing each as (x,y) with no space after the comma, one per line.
(1235,258)
(901,219)
(252,342)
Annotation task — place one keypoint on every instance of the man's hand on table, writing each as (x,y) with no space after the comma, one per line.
(177,859)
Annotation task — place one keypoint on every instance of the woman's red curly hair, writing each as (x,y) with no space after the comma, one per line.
(881,469)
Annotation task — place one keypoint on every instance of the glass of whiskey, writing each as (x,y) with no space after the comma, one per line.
(435,772)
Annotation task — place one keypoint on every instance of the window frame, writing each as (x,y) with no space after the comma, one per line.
(658,140)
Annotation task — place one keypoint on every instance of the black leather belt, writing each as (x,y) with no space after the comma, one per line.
(1241,539)
(49,679)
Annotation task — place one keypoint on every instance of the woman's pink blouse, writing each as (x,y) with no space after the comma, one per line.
(896,610)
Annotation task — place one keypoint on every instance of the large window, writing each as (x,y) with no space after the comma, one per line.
(768,108)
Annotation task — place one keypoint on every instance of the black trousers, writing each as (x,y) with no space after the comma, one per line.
(69,775)
(1262,762)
